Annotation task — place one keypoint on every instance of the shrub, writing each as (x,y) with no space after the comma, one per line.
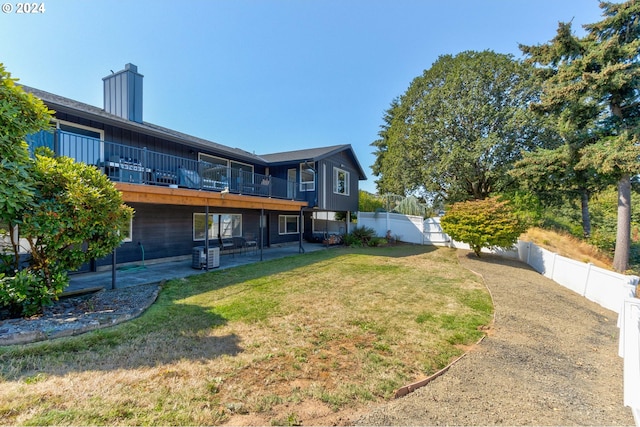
(25,293)
(483,224)
(361,236)
(76,215)
(377,241)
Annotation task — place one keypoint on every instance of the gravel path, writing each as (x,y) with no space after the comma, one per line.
(551,359)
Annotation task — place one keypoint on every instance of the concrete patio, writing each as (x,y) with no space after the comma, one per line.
(154,271)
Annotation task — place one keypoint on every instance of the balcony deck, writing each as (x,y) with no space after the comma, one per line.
(146,176)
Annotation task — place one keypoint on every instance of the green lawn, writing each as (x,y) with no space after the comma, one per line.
(276,342)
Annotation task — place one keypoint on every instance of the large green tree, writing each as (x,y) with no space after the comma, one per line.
(592,87)
(459,127)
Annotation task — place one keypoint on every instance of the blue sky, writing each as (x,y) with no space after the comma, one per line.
(268,75)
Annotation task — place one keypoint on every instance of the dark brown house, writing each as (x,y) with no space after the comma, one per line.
(186,189)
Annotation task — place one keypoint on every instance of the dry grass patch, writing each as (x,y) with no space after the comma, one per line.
(290,341)
(567,246)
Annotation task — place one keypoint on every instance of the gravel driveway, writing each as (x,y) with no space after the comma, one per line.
(551,359)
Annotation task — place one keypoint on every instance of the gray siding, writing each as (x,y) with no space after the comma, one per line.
(160,231)
(163,231)
(327,199)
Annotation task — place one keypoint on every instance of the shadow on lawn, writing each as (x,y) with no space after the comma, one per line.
(499,260)
(172,329)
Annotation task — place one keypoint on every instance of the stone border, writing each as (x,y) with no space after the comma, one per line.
(27,337)
(409,388)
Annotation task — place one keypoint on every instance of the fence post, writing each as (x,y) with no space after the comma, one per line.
(388,223)
(586,281)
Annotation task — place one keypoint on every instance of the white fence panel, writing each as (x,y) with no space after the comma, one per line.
(373,220)
(433,234)
(609,288)
(630,350)
(405,228)
(571,274)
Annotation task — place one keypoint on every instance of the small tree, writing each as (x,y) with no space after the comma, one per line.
(76,215)
(483,224)
(368,202)
(20,115)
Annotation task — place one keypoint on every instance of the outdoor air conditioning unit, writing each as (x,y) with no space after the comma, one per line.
(199,260)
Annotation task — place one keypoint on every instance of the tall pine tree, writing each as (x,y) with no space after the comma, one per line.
(592,87)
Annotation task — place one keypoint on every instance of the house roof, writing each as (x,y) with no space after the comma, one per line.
(66,105)
(80,109)
(313,155)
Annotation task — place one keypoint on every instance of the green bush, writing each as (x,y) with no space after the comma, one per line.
(27,292)
(483,224)
(377,241)
(361,236)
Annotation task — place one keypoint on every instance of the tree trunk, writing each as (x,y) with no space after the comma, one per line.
(586,219)
(623,233)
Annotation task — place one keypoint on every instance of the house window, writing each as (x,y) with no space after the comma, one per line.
(288,224)
(221,169)
(291,183)
(213,160)
(128,232)
(216,172)
(340,181)
(82,143)
(229,225)
(241,173)
(307,177)
(245,167)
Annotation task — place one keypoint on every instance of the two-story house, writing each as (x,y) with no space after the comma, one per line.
(187,191)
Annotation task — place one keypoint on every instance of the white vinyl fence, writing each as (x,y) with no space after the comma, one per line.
(404,228)
(629,349)
(610,290)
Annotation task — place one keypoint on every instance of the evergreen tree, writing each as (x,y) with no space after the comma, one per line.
(592,87)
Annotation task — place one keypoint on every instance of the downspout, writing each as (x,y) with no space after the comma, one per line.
(56,140)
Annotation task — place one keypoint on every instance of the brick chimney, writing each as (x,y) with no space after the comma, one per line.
(123,93)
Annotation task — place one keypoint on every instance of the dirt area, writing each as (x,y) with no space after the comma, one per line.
(551,359)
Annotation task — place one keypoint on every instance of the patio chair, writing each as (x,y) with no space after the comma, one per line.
(250,242)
